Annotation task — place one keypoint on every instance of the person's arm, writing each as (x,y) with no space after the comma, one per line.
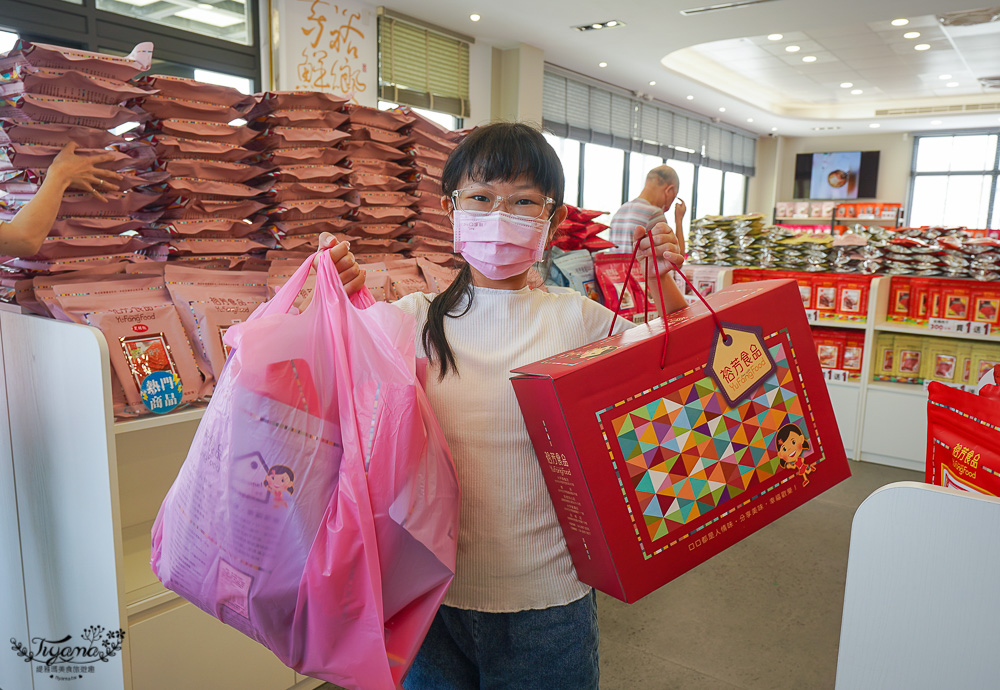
(24,234)
(680,208)
(666,249)
(351,273)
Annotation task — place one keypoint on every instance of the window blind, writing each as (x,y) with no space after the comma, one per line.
(575,109)
(421,67)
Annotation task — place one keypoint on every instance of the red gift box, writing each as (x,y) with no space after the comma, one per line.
(651,470)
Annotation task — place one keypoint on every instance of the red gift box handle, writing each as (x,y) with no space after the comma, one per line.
(666,329)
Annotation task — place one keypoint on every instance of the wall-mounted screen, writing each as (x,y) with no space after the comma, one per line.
(836,175)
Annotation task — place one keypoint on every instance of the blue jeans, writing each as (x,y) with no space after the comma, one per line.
(544,649)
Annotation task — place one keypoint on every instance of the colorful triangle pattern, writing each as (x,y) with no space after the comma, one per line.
(689,453)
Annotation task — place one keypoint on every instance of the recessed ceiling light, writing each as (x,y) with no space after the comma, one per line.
(809,58)
(846,84)
(792,49)
(945,76)
(774,129)
(911,34)
(874,125)
(597,26)
(749,119)
(611,23)
(935,122)
(602,64)
(922,46)
(900,22)
(856,92)
(722,110)
(774,37)
(475,17)
(652,83)
(690,98)
(952,84)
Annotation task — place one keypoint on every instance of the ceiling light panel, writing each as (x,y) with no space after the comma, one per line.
(721,6)
(597,26)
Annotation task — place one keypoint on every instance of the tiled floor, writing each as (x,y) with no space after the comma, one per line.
(763,615)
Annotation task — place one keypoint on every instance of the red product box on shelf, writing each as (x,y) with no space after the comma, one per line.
(852,297)
(899,299)
(847,211)
(956,300)
(854,352)
(825,289)
(986,303)
(747,275)
(829,347)
(920,289)
(655,472)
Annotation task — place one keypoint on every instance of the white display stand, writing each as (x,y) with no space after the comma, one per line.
(78,495)
(921,610)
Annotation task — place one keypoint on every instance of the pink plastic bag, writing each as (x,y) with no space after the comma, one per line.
(317,510)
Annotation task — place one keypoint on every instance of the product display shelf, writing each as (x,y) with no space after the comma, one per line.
(78,496)
(833,322)
(911,329)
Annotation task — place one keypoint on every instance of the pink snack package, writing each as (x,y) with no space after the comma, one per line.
(166,107)
(383,136)
(435,215)
(428,169)
(82,226)
(209,303)
(297,191)
(373,149)
(438,277)
(421,228)
(30,108)
(94,245)
(97,64)
(69,84)
(382,214)
(312,226)
(377,230)
(310,208)
(168,147)
(223,227)
(441,259)
(377,165)
(431,141)
(376,183)
(300,242)
(213,245)
(238,135)
(20,156)
(286,137)
(368,245)
(378,281)
(202,188)
(373,117)
(428,184)
(150,350)
(226,209)
(406,277)
(425,154)
(309,173)
(271,101)
(371,198)
(430,244)
(303,117)
(313,155)
(430,200)
(56,135)
(44,286)
(211,170)
(117,204)
(190,89)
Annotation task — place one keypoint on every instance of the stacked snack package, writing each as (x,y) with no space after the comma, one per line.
(948,252)
(51,96)
(208,201)
(579,231)
(726,240)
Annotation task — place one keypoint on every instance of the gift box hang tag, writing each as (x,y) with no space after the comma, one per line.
(739,361)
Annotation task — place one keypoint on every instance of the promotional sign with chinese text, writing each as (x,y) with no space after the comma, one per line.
(653,471)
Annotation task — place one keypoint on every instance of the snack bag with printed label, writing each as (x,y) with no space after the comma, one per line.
(885,364)
(613,278)
(963,439)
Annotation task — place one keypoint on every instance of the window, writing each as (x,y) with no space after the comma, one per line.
(241,84)
(226,19)
(7,40)
(709,199)
(639,165)
(734,188)
(602,179)
(568,151)
(955,181)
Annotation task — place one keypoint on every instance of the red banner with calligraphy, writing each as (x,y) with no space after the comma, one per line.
(653,471)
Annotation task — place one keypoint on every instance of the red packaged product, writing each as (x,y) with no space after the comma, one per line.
(854,352)
(373,149)
(383,136)
(191,89)
(168,147)
(211,170)
(239,135)
(829,348)
(312,155)
(962,440)
(373,117)
(271,101)
(150,350)
(642,292)
(613,278)
(935,301)
(899,299)
(382,214)
(956,300)
(852,296)
(303,117)
(920,299)
(825,287)
(298,191)
(986,304)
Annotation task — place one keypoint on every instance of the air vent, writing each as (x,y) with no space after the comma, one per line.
(825,129)
(990,82)
(930,110)
(970,17)
(723,6)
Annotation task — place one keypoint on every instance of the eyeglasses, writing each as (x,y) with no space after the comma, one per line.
(525,204)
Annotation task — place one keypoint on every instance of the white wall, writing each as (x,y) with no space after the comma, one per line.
(480,83)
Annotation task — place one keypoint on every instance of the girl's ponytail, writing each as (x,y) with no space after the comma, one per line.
(435,343)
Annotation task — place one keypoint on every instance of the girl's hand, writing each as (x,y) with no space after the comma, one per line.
(81,172)
(665,246)
(350,272)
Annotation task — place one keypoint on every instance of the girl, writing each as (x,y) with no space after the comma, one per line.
(516,616)
(279,480)
(792,443)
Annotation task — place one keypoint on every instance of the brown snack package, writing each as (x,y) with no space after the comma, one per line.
(170,147)
(373,117)
(271,101)
(377,230)
(191,89)
(438,277)
(98,64)
(405,277)
(426,154)
(374,257)
(49,109)
(430,244)
(239,135)
(309,173)
(166,107)
(288,137)
(312,226)
(41,134)
(373,149)
(382,214)
(302,155)
(376,183)
(377,165)
(209,302)
(303,117)
(430,185)
(201,188)
(378,282)
(428,169)
(300,242)
(214,245)
(428,199)
(310,208)
(117,204)
(421,228)
(83,226)
(431,141)
(68,84)
(439,258)
(437,216)
(300,191)
(373,198)
(211,170)
(145,336)
(228,209)
(69,247)
(43,286)
(224,227)
(41,157)
(368,245)
(383,136)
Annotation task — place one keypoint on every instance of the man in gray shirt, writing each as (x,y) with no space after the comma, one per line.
(647,209)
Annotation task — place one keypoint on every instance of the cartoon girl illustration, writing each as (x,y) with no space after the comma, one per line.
(279,479)
(791,444)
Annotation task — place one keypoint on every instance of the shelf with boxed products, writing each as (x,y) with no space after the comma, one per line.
(87,491)
(940,307)
(831,213)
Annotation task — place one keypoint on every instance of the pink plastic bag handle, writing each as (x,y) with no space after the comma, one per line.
(659,285)
(284,299)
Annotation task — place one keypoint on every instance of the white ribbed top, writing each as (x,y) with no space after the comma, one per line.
(511,552)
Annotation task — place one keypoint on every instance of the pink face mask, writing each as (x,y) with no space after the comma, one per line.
(500,245)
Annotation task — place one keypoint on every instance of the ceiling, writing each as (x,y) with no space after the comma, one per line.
(721,64)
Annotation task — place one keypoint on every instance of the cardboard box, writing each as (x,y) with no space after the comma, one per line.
(650,470)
